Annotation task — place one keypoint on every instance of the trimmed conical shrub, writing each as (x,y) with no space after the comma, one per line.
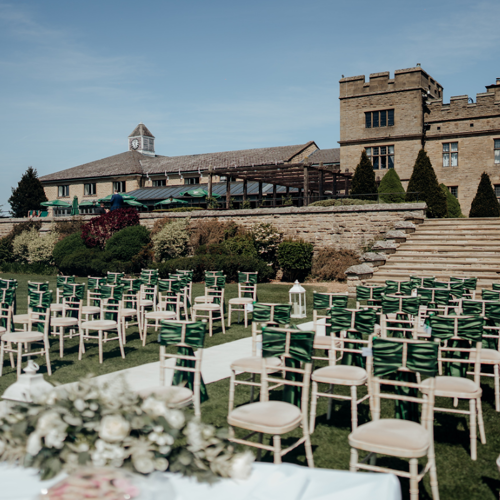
(363,181)
(390,189)
(485,203)
(424,186)
(454,209)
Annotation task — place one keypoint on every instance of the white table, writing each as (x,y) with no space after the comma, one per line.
(267,482)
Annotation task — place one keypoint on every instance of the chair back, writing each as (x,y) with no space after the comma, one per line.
(369,292)
(248,277)
(39,286)
(6,315)
(8,283)
(323,300)
(269,313)
(400,315)
(408,360)
(148,292)
(213,274)
(470,284)
(247,290)
(295,348)
(399,287)
(215,282)
(39,310)
(114,278)
(61,281)
(423,281)
(149,276)
(490,294)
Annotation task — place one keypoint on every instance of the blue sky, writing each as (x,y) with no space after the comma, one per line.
(205,76)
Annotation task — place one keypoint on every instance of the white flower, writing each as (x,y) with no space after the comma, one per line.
(83,447)
(94,406)
(2,447)
(144,463)
(34,444)
(49,421)
(80,404)
(164,450)
(106,453)
(175,418)
(161,464)
(242,465)
(113,428)
(55,438)
(155,407)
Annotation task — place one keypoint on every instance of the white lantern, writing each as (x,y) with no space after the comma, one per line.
(28,383)
(298,301)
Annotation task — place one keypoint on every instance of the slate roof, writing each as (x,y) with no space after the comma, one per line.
(327,156)
(120,164)
(141,129)
(226,159)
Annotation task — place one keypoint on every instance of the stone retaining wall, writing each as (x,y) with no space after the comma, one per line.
(352,226)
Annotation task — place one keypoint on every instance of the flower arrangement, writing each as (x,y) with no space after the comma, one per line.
(110,426)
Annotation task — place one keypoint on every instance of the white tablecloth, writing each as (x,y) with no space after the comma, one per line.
(267,482)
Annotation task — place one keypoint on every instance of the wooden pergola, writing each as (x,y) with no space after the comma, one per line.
(310,179)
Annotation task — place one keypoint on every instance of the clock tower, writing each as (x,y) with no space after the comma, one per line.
(142,141)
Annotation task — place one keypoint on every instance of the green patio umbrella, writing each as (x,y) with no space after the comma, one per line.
(134,203)
(56,203)
(87,203)
(74,206)
(198,193)
(124,196)
(172,201)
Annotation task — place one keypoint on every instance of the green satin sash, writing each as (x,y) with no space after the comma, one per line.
(369,293)
(111,292)
(149,277)
(218,282)
(422,282)
(422,357)
(76,290)
(7,297)
(250,278)
(432,297)
(38,286)
(469,284)
(469,329)
(404,287)
(187,272)
(213,273)
(62,280)
(490,294)
(263,313)
(10,284)
(194,337)
(40,302)
(328,300)
(495,286)
(185,280)
(491,313)
(131,285)
(114,278)
(94,283)
(300,351)
(456,288)
(400,304)
(170,288)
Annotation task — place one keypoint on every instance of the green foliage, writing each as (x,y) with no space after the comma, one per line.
(424,186)
(230,264)
(287,200)
(67,246)
(330,263)
(35,268)
(266,239)
(91,262)
(71,226)
(342,201)
(172,240)
(295,258)
(6,252)
(29,247)
(363,181)
(454,210)
(246,205)
(238,245)
(212,202)
(27,195)
(127,242)
(485,203)
(391,190)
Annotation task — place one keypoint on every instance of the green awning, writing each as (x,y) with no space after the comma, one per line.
(172,201)
(88,203)
(134,203)
(198,193)
(124,196)
(56,203)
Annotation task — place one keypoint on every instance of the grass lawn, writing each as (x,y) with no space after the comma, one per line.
(459,477)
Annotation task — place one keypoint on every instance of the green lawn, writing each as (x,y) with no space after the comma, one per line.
(459,477)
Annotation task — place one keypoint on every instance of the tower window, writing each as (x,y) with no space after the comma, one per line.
(375,119)
(382,157)
(450,154)
(497,150)
(62,191)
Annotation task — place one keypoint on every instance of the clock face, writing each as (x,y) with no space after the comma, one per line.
(135,143)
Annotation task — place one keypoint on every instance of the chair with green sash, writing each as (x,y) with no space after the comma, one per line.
(399,364)
(171,297)
(423,281)
(247,295)
(212,309)
(399,287)
(277,418)
(10,285)
(369,296)
(324,302)
(147,300)
(39,286)
(110,321)
(72,301)
(400,316)
(212,284)
(57,307)
(187,384)
(188,279)
(490,351)
(149,276)
(436,300)
(36,333)
(490,294)
(114,278)
(93,306)
(130,309)
(6,314)
(469,286)
(460,340)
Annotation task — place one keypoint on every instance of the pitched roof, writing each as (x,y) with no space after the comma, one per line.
(325,156)
(120,164)
(226,159)
(141,129)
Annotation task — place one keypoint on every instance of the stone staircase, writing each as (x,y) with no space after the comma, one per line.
(444,248)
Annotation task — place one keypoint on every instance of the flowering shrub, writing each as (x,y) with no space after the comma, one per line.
(98,230)
(295,258)
(171,241)
(32,248)
(110,425)
(267,239)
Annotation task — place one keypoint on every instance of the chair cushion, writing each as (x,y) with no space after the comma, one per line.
(20,318)
(99,324)
(22,336)
(146,303)
(2,329)
(176,395)
(128,312)
(490,356)
(340,374)
(241,301)
(56,307)
(64,321)
(91,310)
(391,436)
(270,417)
(453,387)
(204,299)
(253,364)
(207,307)
(323,342)
(161,315)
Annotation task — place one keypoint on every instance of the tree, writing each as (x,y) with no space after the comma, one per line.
(485,203)
(28,195)
(363,181)
(424,186)
(454,210)
(391,190)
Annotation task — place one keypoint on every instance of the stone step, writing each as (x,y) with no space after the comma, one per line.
(471,267)
(470,233)
(462,221)
(442,260)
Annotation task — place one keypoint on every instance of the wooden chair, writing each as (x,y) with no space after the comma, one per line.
(188,386)
(187,275)
(399,287)
(212,284)
(6,314)
(71,318)
(57,307)
(37,332)
(247,294)
(399,316)
(393,436)
(93,306)
(324,302)
(279,417)
(147,299)
(212,310)
(371,294)
(109,308)
(172,297)
(452,331)
(114,278)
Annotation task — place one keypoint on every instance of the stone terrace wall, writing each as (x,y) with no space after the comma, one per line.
(344,227)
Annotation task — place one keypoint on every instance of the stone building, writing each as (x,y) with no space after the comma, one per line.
(392,118)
